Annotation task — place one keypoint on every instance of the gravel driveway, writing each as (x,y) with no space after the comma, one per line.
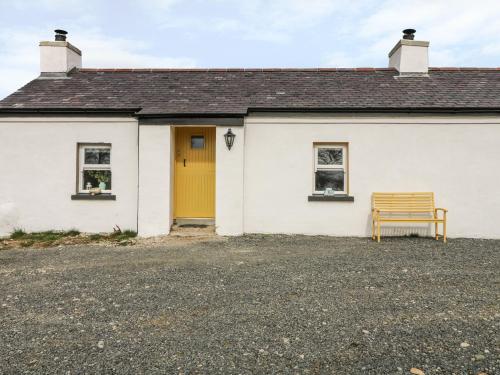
(253,304)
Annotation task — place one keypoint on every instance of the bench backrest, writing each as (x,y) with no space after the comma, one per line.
(403,202)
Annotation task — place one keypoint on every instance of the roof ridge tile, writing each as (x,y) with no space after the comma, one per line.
(154,70)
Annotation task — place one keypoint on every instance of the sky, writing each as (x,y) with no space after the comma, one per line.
(245,33)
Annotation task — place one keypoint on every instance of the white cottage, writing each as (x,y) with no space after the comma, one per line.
(252,150)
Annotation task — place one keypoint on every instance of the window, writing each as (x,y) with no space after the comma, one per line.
(330,168)
(197,141)
(94,167)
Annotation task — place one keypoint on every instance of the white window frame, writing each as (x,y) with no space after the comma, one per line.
(94,167)
(340,167)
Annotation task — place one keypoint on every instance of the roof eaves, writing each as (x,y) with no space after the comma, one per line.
(12,110)
(190,115)
(422,110)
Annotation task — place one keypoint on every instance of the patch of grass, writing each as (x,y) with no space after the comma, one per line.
(17,234)
(129,233)
(45,236)
(123,235)
(70,237)
(27,243)
(72,233)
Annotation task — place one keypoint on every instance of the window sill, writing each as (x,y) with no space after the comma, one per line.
(97,197)
(330,198)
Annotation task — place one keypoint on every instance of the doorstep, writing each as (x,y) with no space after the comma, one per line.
(193,228)
(187,221)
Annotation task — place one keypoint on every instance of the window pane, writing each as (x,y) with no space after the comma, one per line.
(330,156)
(97,155)
(197,141)
(95,178)
(330,179)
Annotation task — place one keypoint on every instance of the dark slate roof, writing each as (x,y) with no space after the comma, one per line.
(232,92)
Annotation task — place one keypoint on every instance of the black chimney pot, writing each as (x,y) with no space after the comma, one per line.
(409,34)
(60,35)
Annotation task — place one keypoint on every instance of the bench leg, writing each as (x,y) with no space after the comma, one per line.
(373,229)
(378,231)
(444,228)
(436,230)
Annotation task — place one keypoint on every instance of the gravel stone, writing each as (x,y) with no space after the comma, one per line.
(257,304)
(416,371)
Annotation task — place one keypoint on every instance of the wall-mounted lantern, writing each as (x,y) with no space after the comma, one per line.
(229,137)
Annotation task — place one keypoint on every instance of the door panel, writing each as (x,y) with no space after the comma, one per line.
(194,189)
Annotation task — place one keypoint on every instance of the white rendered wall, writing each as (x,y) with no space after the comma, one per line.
(229,182)
(455,157)
(155,177)
(38,173)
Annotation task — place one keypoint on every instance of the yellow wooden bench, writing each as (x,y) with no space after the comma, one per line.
(405,207)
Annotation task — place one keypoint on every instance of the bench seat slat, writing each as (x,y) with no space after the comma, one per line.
(404,202)
(410,212)
(411,219)
(402,208)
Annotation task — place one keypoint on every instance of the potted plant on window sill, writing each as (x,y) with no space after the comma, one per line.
(102,177)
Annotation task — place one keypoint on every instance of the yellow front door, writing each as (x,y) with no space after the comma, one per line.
(194,190)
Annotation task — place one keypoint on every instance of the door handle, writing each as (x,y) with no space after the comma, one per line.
(184,162)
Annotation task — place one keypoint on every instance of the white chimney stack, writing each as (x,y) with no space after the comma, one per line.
(410,57)
(59,56)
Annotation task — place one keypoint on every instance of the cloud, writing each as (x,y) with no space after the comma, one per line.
(491,49)
(342,60)
(18,60)
(48,4)
(455,32)
(155,11)
(19,55)
(275,21)
(338,33)
(12,79)
(101,50)
(290,14)
(361,32)
(161,4)
(19,51)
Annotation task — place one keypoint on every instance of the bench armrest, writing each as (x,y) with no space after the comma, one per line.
(444,210)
